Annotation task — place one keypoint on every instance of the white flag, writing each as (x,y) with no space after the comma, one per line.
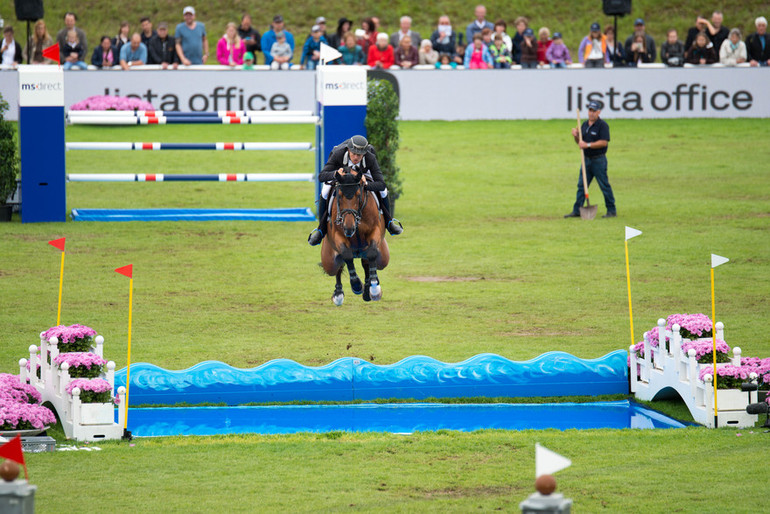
(329,53)
(548,462)
(716,260)
(632,232)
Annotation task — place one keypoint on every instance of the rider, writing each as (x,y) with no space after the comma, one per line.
(359,155)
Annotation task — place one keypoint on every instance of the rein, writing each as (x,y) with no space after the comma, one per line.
(363,198)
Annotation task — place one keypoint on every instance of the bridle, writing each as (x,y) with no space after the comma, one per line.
(363,198)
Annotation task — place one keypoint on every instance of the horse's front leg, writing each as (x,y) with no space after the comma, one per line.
(372,281)
(355,282)
(338,297)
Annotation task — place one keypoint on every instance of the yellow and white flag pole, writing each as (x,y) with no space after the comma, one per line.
(716,260)
(59,243)
(129,272)
(630,233)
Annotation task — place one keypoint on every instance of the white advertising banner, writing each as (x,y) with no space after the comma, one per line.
(40,86)
(444,94)
(341,85)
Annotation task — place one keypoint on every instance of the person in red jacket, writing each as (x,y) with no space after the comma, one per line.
(381,55)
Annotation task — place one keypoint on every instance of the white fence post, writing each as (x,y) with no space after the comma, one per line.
(23,370)
(720,330)
(75,411)
(692,369)
(122,406)
(99,346)
(737,356)
(111,374)
(662,338)
(32,360)
(647,359)
(64,379)
(632,367)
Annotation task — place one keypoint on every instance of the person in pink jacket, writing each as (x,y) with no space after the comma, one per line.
(231,47)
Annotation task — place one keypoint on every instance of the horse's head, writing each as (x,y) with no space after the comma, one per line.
(351,200)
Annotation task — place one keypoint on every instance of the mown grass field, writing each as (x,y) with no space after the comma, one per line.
(487,264)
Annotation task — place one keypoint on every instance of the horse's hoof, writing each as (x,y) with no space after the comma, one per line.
(375,291)
(338,299)
(356,286)
(367,293)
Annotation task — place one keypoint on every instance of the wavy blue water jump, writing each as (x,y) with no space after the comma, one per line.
(349,378)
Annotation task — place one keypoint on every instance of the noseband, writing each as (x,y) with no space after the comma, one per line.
(357,213)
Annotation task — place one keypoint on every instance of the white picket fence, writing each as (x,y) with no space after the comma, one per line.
(81,421)
(663,371)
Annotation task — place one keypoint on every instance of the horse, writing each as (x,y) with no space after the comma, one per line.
(356,230)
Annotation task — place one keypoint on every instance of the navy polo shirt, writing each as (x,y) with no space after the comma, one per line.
(599,131)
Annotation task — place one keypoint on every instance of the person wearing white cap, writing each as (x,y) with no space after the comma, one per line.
(192,45)
(427,55)
(758,44)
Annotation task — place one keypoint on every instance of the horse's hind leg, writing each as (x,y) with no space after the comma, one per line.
(338,297)
(367,280)
(355,282)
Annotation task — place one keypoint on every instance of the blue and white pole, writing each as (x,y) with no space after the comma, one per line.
(41,135)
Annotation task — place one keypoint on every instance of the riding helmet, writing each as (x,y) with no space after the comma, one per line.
(358,145)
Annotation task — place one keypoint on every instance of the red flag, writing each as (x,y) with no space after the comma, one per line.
(126,270)
(12,450)
(52,52)
(58,243)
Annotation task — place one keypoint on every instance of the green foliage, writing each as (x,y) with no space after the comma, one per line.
(78,345)
(94,397)
(382,128)
(9,155)
(84,372)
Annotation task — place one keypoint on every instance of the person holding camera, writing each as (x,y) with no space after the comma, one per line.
(672,51)
(647,46)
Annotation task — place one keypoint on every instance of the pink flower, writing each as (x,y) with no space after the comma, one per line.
(69,334)
(77,359)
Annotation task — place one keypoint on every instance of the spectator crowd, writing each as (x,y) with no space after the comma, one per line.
(483,44)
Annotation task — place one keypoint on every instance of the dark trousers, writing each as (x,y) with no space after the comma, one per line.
(596,168)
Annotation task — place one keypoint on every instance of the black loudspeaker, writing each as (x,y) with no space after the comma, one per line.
(29,10)
(616,7)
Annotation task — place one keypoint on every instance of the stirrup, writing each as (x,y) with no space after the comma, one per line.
(394,227)
(315,237)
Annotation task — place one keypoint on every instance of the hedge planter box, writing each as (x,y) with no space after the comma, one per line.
(97,413)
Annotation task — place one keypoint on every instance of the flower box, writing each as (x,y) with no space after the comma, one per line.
(731,399)
(97,413)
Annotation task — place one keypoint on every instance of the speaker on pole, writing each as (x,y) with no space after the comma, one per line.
(29,10)
(616,7)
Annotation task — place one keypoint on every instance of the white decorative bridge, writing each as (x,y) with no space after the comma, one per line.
(81,421)
(662,371)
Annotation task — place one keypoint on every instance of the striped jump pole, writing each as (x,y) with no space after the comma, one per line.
(165,177)
(169,114)
(188,120)
(89,145)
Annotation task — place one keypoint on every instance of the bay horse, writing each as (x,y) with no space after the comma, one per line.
(356,230)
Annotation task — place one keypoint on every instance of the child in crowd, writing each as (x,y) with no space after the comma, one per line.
(672,51)
(558,53)
(477,56)
(543,42)
(486,37)
(281,52)
(427,54)
(529,49)
(74,52)
(702,51)
(248,61)
(311,51)
(446,60)
(501,55)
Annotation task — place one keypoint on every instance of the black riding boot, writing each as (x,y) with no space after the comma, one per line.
(392,225)
(317,235)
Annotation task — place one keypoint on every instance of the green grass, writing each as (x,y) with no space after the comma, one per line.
(571,20)
(486,264)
